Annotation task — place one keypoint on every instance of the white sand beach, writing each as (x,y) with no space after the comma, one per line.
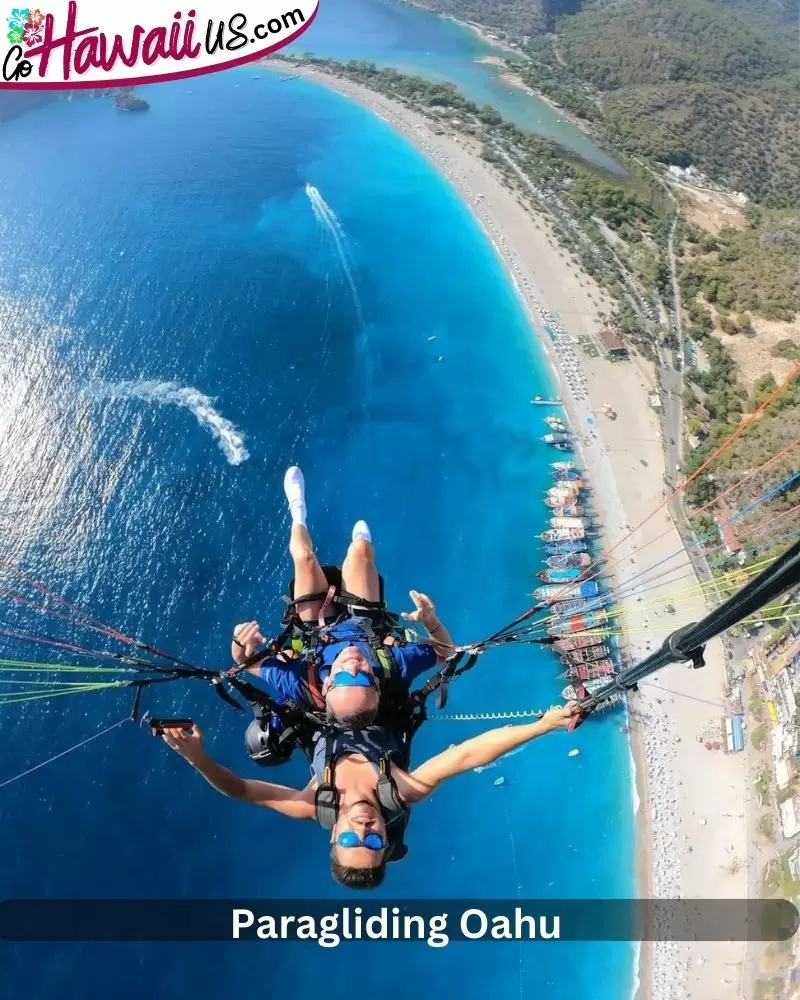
(691,823)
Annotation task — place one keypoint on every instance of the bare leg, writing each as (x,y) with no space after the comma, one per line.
(359,575)
(308,575)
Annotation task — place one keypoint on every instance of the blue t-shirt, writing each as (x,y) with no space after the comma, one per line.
(289,681)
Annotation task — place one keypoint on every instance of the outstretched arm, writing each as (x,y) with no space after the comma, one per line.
(292,802)
(425,613)
(481,750)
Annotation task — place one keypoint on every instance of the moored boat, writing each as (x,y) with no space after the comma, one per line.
(566,509)
(568,560)
(566,477)
(578,642)
(563,494)
(563,535)
(580,607)
(578,624)
(562,466)
(562,548)
(548,593)
(567,522)
(559,575)
(560,438)
(555,423)
(569,693)
(589,655)
(592,672)
(563,446)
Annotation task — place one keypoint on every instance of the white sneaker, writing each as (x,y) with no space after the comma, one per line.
(361,530)
(294,486)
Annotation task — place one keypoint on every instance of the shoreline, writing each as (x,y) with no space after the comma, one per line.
(511,78)
(624,461)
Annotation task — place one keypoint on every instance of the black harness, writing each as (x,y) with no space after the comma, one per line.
(394,811)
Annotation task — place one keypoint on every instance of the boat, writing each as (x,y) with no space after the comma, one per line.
(578,623)
(562,466)
(567,522)
(591,672)
(563,535)
(568,560)
(565,477)
(559,575)
(538,401)
(569,510)
(559,496)
(559,502)
(564,609)
(565,548)
(588,589)
(565,486)
(555,423)
(562,446)
(573,753)
(601,667)
(569,693)
(578,642)
(589,655)
(499,781)
(554,438)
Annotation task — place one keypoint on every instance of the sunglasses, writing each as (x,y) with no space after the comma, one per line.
(373,841)
(345,680)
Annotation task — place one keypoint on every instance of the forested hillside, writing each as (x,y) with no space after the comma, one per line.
(715,83)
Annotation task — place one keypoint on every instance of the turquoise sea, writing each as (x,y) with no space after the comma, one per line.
(414,40)
(180,319)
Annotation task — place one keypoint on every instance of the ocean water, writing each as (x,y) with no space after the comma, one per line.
(181,317)
(414,40)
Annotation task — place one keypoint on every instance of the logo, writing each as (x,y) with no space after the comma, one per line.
(92,43)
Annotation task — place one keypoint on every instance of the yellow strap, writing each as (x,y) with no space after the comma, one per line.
(385,661)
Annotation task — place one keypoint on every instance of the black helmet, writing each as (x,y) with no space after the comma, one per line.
(263,746)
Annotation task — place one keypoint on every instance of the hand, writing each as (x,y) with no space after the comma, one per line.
(188,745)
(247,638)
(425,610)
(560,717)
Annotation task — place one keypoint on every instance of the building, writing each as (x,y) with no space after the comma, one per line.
(794,863)
(788,814)
(784,770)
(738,732)
(728,536)
(612,345)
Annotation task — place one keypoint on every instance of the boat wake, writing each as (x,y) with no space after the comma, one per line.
(226,434)
(327,218)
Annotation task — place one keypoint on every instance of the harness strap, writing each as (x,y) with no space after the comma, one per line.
(329,598)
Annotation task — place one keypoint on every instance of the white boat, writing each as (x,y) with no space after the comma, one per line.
(562,466)
(567,522)
(573,753)
(563,535)
(555,423)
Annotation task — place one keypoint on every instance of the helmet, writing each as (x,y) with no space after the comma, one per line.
(264,746)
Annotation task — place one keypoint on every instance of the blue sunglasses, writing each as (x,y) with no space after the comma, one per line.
(343,679)
(373,841)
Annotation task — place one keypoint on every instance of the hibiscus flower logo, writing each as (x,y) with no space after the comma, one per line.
(25,25)
(19,18)
(32,34)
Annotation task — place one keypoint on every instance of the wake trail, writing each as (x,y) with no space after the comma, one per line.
(326,216)
(225,433)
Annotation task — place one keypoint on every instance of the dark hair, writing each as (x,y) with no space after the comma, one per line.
(358,878)
(356,720)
